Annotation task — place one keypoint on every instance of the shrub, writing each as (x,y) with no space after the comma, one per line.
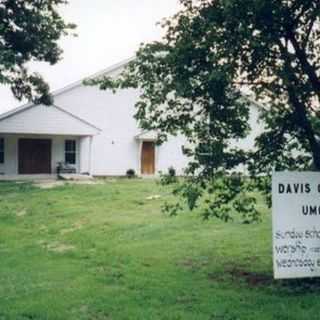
(169,177)
(172,172)
(130,173)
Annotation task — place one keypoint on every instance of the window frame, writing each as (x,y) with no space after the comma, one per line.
(2,150)
(70,151)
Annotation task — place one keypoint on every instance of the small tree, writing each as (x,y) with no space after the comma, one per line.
(191,84)
(29,31)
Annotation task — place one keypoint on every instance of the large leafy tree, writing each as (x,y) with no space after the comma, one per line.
(192,81)
(29,31)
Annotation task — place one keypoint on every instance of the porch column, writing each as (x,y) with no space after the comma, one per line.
(85,154)
(90,155)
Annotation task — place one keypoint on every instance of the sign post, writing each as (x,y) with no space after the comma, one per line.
(296,224)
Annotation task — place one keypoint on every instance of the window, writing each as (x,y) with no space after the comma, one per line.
(1,150)
(70,151)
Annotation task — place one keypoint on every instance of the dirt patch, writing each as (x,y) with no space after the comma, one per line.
(57,247)
(75,227)
(61,247)
(154,197)
(252,279)
(90,314)
(195,264)
(48,184)
(43,228)
(21,213)
(86,182)
(59,183)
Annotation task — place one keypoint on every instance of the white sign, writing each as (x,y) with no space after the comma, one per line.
(296,224)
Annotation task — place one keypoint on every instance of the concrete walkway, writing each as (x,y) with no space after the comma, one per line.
(45,181)
(45,177)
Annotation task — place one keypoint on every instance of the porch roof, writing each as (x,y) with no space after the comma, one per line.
(47,120)
(147,136)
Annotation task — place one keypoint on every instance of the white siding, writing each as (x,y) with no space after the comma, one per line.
(115,149)
(112,151)
(44,120)
(170,155)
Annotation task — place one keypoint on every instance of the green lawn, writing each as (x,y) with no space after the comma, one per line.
(106,252)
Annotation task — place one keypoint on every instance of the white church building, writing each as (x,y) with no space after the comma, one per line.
(89,130)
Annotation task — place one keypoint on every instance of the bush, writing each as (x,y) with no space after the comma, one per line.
(130,173)
(169,177)
(172,172)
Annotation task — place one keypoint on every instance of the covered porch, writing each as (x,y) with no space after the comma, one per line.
(41,154)
(38,139)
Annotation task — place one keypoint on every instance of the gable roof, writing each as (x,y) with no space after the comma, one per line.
(58,122)
(78,83)
(71,86)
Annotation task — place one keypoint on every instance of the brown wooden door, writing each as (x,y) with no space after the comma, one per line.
(34,156)
(148,158)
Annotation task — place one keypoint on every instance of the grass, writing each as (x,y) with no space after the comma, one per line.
(106,252)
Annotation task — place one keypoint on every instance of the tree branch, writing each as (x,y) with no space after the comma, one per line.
(305,64)
(299,107)
(308,32)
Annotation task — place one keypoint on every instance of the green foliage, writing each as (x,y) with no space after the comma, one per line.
(169,177)
(192,84)
(29,31)
(130,173)
(172,171)
(172,209)
(228,198)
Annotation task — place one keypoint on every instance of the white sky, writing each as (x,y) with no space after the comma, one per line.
(108,32)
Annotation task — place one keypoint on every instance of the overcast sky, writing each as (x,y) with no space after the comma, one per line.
(108,32)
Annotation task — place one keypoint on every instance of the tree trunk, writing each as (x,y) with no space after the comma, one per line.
(303,121)
(307,68)
(305,124)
